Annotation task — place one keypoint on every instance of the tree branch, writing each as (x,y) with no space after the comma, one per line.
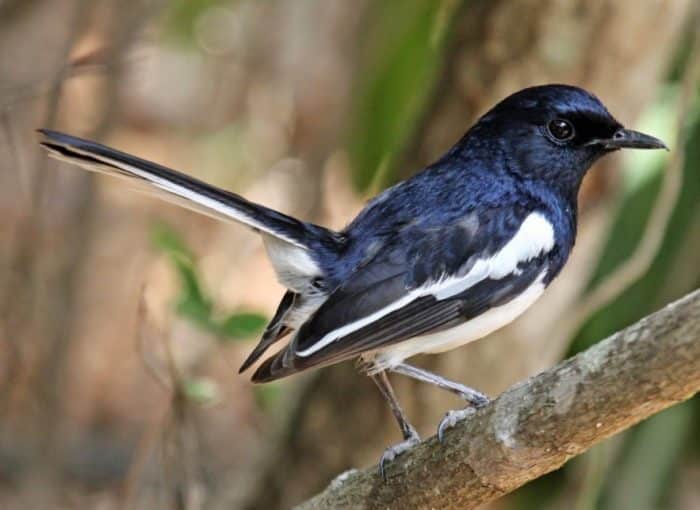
(537,425)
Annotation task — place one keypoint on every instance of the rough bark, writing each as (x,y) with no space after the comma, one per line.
(537,425)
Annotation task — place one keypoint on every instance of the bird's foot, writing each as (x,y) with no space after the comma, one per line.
(394,451)
(473,397)
(452,418)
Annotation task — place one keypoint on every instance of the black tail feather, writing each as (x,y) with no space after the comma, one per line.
(278,366)
(187,190)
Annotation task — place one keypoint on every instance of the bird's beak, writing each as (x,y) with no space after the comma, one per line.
(629,139)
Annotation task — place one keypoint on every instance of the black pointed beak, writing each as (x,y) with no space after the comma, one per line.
(629,139)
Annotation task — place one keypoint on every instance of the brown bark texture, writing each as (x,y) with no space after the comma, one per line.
(537,425)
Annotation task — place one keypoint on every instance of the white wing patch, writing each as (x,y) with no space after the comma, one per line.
(534,237)
(486,323)
(332,336)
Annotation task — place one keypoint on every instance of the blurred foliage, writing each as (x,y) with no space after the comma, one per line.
(181,17)
(268,395)
(193,303)
(402,57)
(644,471)
(241,325)
(201,390)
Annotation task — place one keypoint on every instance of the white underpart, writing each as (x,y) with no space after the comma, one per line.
(534,237)
(479,327)
(180,195)
(294,266)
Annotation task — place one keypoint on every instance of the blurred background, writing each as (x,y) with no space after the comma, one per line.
(123,319)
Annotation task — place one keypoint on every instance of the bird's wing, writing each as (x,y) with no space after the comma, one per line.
(290,242)
(275,330)
(426,282)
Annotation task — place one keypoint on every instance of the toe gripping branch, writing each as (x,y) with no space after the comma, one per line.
(411,438)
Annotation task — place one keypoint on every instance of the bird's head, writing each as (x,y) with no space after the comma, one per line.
(555,133)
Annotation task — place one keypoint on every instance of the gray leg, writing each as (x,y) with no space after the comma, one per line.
(410,435)
(470,395)
(475,398)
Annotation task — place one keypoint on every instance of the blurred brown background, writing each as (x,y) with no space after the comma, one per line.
(123,320)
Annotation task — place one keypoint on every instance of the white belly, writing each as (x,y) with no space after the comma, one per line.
(469,331)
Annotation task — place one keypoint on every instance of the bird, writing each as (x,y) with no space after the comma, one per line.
(443,258)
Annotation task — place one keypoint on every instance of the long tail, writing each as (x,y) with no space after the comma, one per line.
(180,188)
(293,245)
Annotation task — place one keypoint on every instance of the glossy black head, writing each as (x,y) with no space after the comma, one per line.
(555,133)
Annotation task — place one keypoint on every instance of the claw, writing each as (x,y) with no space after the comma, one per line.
(451,419)
(476,399)
(394,451)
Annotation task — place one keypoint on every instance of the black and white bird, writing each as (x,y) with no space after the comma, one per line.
(444,258)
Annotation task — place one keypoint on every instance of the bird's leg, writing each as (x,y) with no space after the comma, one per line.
(470,395)
(474,398)
(410,435)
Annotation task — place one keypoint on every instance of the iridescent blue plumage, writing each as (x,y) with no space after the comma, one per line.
(438,260)
(504,168)
(502,159)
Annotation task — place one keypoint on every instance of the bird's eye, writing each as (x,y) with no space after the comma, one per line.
(562,130)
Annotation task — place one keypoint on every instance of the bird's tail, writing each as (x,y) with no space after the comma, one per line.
(292,244)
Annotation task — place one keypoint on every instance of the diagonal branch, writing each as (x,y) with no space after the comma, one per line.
(537,425)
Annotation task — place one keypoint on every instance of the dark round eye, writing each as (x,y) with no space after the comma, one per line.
(561,129)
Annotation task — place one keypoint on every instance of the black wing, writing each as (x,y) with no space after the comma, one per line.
(395,278)
(275,330)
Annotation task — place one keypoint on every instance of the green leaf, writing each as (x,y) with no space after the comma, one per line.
(192,302)
(181,18)
(242,325)
(403,55)
(167,240)
(267,395)
(201,390)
